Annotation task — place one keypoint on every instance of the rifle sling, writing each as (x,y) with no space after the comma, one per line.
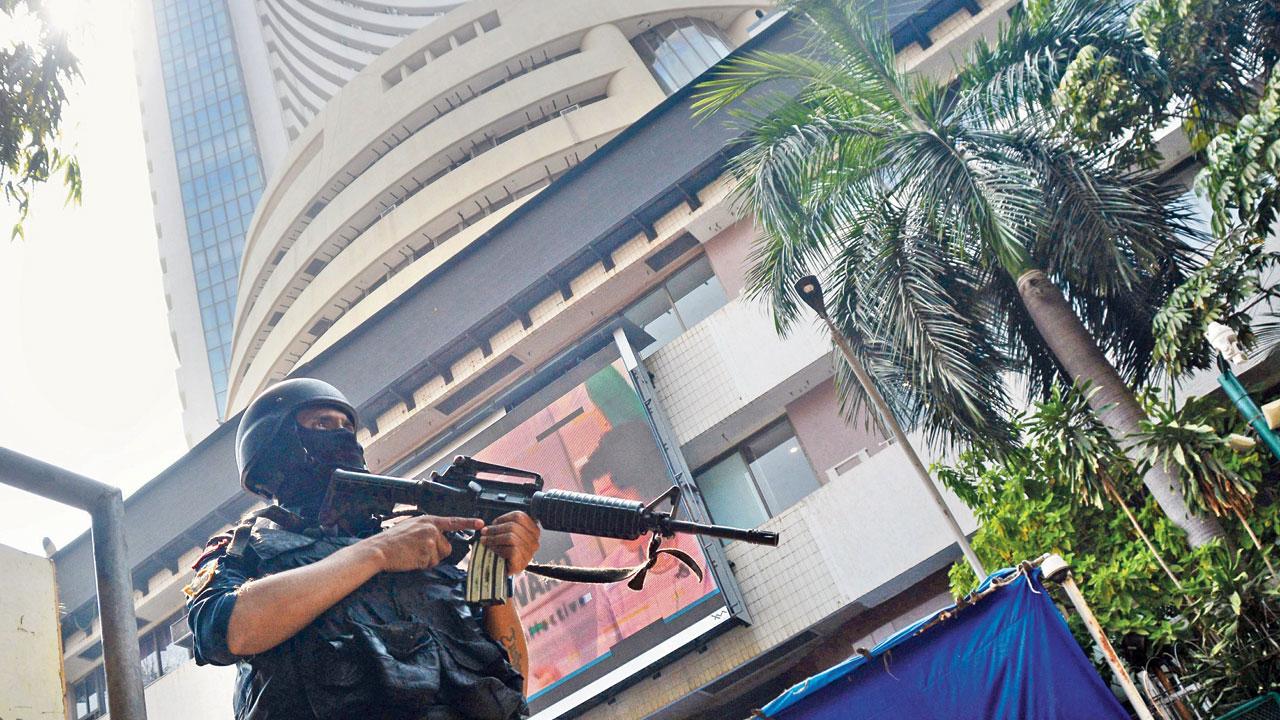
(635,575)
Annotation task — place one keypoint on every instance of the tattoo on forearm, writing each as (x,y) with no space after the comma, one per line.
(510,641)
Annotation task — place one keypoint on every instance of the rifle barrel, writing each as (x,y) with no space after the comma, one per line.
(755,537)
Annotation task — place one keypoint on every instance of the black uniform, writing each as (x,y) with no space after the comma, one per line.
(403,645)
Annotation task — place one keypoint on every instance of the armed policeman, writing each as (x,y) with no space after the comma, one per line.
(328,613)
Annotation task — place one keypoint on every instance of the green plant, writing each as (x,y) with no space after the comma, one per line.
(33,92)
(1241,177)
(1023,515)
(1096,103)
(1075,452)
(1215,477)
(1220,623)
(1226,290)
(1149,63)
(1233,653)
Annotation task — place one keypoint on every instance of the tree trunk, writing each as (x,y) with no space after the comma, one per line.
(1111,399)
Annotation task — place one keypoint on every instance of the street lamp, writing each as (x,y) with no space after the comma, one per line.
(810,291)
(1224,340)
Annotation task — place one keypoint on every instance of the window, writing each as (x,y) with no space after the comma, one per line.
(160,654)
(89,695)
(684,300)
(219,172)
(762,477)
(678,51)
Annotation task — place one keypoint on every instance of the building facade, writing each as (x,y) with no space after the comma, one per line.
(460,245)
(436,142)
(223,87)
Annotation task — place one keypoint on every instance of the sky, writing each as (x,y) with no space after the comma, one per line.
(86,365)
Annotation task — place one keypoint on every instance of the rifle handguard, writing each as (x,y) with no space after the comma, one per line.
(598,515)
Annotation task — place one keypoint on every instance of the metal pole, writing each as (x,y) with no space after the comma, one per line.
(1056,569)
(891,422)
(105,505)
(1249,409)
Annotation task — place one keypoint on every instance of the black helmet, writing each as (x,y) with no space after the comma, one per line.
(262,421)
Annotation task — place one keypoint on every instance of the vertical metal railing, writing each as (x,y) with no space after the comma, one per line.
(105,505)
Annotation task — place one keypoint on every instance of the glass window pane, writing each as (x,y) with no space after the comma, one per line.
(150,658)
(663,329)
(730,493)
(172,656)
(677,51)
(780,468)
(701,301)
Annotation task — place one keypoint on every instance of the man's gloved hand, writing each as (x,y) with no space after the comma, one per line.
(514,537)
(417,543)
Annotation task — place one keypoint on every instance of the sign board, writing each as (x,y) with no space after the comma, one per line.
(588,431)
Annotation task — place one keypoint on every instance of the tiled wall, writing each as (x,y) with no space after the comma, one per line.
(694,381)
(725,362)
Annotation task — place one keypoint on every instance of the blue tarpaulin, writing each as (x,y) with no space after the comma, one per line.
(1009,656)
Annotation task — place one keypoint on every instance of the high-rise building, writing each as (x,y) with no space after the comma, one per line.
(442,137)
(224,86)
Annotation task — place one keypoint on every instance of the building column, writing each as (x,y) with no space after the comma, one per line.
(633,85)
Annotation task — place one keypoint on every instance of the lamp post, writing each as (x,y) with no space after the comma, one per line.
(1224,340)
(810,291)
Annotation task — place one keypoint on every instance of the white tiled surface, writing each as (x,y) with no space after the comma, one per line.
(724,362)
(694,382)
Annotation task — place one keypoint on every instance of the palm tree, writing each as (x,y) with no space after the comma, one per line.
(962,236)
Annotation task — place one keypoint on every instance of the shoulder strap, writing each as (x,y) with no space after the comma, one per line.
(487,580)
(634,575)
(241,535)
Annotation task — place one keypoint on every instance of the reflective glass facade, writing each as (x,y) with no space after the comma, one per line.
(219,168)
(678,51)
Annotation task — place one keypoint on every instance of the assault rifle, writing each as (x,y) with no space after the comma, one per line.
(459,491)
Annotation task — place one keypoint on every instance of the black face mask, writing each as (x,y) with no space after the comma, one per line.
(332,449)
(306,479)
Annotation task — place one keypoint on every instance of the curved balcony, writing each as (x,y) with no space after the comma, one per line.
(363,195)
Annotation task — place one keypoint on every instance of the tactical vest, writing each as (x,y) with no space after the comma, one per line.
(403,646)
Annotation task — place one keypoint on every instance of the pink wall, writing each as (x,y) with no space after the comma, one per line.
(728,252)
(822,431)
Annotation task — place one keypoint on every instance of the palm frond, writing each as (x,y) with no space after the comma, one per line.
(1016,74)
(1117,242)
(738,77)
(799,177)
(1074,448)
(898,287)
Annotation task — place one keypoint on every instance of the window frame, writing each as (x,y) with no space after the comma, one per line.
(749,457)
(670,303)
